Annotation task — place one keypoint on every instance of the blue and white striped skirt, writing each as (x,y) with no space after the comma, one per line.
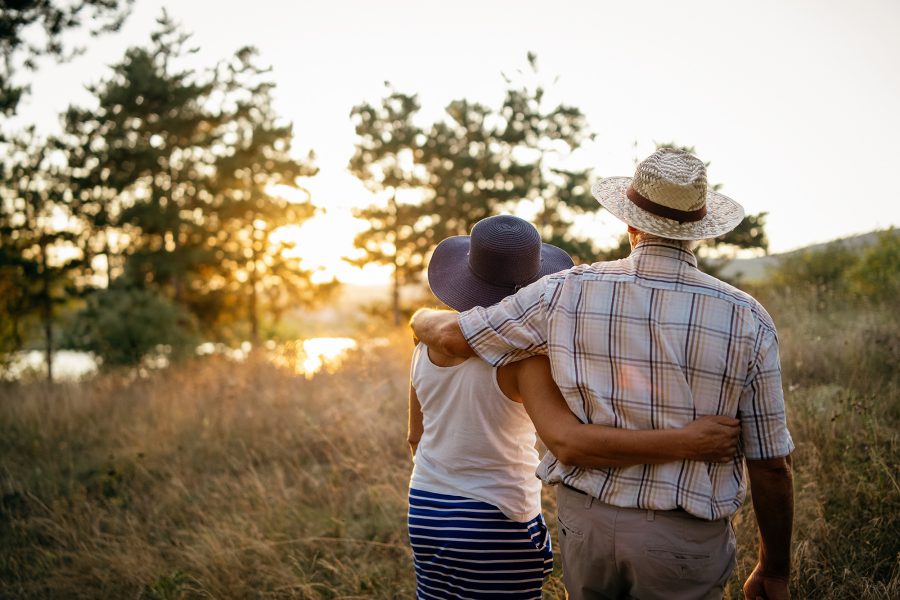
(464,548)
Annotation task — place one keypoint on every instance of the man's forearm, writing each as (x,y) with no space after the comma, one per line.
(712,438)
(439,329)
(772,490)
(598,446)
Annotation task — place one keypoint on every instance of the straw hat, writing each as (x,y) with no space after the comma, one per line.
(504,253)
(668,197)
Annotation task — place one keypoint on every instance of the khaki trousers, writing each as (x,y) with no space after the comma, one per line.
(610,552)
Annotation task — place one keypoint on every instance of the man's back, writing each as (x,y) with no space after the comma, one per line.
(650,342)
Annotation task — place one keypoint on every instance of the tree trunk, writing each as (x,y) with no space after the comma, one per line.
(108,257)
(395,287)
(254,319)
(47,312)
(395,292)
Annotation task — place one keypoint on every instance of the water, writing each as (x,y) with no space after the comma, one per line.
(325,352)
(67,364)
(305,357)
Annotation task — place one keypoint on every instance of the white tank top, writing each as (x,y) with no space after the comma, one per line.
(477,442)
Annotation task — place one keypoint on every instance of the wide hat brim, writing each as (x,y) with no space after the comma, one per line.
(722,213)
(458,287)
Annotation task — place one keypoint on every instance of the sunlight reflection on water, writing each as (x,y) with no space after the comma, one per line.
(304,357)
(67,364)
(325,352)
(310,356)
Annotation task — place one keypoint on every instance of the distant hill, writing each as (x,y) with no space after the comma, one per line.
(756,269)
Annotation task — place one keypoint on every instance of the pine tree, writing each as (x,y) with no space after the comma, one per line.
(30,29)
(483,161)
(254,264)
(537,141)
(142,163)
(388,161)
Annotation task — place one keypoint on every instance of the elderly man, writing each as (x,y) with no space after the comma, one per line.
(650,342)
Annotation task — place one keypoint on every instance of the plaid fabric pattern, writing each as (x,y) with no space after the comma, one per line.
(648,342)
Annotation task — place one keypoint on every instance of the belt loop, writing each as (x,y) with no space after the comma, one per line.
(588,501)
(650,514)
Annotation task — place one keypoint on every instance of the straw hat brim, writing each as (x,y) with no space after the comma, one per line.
(458,287)
(722,213)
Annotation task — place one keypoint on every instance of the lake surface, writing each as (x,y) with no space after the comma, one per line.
(306,357)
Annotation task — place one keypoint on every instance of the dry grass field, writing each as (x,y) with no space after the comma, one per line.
(217,479)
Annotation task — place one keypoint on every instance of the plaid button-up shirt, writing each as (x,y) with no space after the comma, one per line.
(648,342)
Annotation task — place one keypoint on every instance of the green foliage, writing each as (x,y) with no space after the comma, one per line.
(123,324)
(876,275)
(173,184)
(141,166)
(839,274)
(817,275)
(33,28)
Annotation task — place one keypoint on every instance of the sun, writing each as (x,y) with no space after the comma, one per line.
(325,240)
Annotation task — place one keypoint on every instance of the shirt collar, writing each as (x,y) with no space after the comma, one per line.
(666,249)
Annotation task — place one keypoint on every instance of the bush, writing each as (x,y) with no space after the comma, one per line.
(876,275)
(818,275)
(123,325)
(839,275)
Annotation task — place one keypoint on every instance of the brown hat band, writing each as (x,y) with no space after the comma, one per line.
(659,210)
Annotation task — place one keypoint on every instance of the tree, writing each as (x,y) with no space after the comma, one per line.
(815,275)
(537,142)
(21,45)
(484,161)
(258,157)
(876,276)
(142,163)
(37,261)
(177,173)
(388,161)
(123,324)
(474,162)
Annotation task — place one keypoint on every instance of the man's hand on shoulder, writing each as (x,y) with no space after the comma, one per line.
(439,329)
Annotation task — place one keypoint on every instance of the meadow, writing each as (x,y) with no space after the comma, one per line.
(221,479)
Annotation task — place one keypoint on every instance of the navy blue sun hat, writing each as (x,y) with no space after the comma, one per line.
(503,254)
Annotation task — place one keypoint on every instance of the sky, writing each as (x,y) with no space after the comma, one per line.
(795,103)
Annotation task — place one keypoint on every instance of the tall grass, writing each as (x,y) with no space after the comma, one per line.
(212,480)
(229,480)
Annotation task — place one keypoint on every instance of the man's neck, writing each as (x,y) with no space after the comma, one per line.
(645,238)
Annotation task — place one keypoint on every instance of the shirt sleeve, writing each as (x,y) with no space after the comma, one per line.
(764,432)
(511,330)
